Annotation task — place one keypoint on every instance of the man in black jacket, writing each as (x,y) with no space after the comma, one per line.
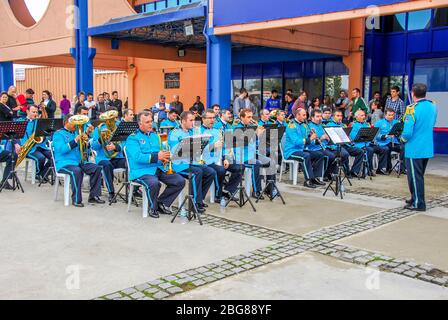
(117,103)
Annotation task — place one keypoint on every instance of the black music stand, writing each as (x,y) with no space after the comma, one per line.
(46,128)
(195,146)
(338,137)
(242,141)
(272,183)
(396,131)
(10,131)
(123,131)
(366,136)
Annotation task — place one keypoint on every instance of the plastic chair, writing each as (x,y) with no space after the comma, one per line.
(293,168)
(33,169)
(60,176)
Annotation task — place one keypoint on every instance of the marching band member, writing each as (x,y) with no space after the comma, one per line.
(40,153)
(419,121)
(171,121)
(317,152)
(214,154)
(336,121)
(109,155)
(391,142)
(316,125)
(128,115)
(265,118)
(223,122)
(326,116)
(281,119)
(146,158)
(203,176)
(297,136)
(251,157)
(68,157)
(5,156)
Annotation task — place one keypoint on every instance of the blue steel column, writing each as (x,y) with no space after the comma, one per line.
(6,75)
(219,69)
(82,54)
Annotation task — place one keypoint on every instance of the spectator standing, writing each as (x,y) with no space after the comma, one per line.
(6,114)
(240,102)
(177,106)
(342,104)
(376,112)
(327,103)
(284,103)
(376,97)
(24,101)
(48,103)
(289,104)
(274,102)
(91,105)
(199,105)
(300,103)
(117,103)
(161,109)
(12,100)
(64,105)
(79,102)
(395,103)
(101,106)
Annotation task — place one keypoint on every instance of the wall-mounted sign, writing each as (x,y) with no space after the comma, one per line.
(172,80)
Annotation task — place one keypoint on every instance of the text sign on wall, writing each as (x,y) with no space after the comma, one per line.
(20,74)
(229,12)
(172,80)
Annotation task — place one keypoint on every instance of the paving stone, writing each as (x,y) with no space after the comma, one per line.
(137,295)
(151,290)
(219,276)
(170,278)
(160,295)
(438,281)
(174,290)
(156,282)
(425,277)
(237,270)
(398,270)
(146,298)
(113,296)
(123,299)
(143,287)
(201,270)
(418,270)
(209,273)
(198,282)
(410,274)
(165,285)
(129,291)
(228,273)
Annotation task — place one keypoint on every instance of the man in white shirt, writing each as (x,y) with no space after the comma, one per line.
(91,105)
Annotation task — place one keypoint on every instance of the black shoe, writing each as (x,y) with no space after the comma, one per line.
(382,172)
(138,193)
(164,210)
(96,200)
(356,175)
(199,208)
(409,202)
(231,198)
(318,182)
(412,208)
(78,205)
(310,184)
(154,214)
(257,195)
(204,205)
(112,198)
(372,173)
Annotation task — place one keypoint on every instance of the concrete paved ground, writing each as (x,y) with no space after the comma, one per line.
(313,276)
(300,215)
(40,239)
(423,238)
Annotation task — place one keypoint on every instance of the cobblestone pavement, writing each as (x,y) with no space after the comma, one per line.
(285,245)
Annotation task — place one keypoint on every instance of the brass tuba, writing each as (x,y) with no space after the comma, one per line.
(109,117)
(79,121)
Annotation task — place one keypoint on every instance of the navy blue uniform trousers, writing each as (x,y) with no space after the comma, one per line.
(174,185)
(5,156)
(233,182)
(201,180)
(304,158)
(43,160)
(76,176)
(108,171)
(416,180)
(261,162)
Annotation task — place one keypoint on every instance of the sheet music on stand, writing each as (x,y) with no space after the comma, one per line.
(124,130)
(46,127)
(337,135)
(366,135)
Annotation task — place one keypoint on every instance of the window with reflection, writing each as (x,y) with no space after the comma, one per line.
(419,20)
(440,17)
(236,86)
(395,23)
(367,87)
(313,87)
(296,85)
(376,84)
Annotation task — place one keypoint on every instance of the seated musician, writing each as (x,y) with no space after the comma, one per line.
(224,121)
(84,111)
(203,176)
(336,121)
(146,157)
(171,121)
(5,156)
(214,155)
(68,160)
(326,116)
(251,157)
(40,153)
(128,115)
(391,142)
(217,110)
(297,137)
(109,155)
(329,152)
(265,118)
(370,149)
(281,119)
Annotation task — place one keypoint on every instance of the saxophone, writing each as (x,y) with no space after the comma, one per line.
(26,148)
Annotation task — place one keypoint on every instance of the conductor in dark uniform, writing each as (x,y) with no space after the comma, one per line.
(419,121)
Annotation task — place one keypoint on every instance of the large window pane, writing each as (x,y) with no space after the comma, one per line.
(396,81)
(440,17)
(296,85)
(395,23)
(334,84)
(385,86)
(418,20)
(313,86)
(253,87)
(367,87)
(269,85)
(376,84)
(236,86)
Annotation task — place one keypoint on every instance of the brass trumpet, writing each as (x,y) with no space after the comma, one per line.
(164,146)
